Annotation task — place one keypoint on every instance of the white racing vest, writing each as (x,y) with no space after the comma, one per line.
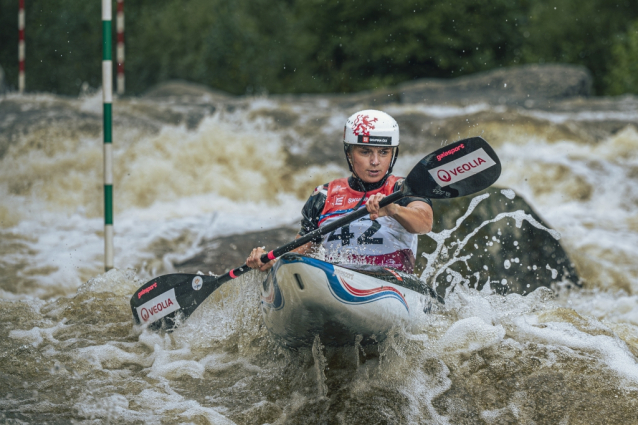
(383,241)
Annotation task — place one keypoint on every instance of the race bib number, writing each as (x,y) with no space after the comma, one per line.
(362,234)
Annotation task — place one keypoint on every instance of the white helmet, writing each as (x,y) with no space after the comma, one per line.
(371,128)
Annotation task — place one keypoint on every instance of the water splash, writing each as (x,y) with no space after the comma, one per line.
(320,367)
(440,260)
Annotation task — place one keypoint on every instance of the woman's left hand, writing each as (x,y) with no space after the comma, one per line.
(254,260)
(372,205)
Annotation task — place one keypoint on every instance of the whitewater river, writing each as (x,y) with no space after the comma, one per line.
(194,168)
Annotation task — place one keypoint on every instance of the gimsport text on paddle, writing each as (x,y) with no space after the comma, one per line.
(459,169)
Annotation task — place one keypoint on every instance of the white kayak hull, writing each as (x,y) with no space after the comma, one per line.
(303,297)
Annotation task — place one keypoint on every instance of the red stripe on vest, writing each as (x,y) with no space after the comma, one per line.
(342,197)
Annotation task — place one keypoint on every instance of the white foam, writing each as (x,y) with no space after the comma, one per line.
(112,357)
(36,335)
(589,116)
(610,350)
(441,111)
(469,335)
(606,306)
(508,193)
(156,405)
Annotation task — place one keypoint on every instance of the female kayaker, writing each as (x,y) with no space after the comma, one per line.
(388,236)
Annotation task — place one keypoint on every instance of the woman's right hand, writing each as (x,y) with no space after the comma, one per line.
(254,260)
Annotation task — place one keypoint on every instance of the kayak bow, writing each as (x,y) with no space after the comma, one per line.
(303,297)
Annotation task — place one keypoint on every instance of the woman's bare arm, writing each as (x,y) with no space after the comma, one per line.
(416,217)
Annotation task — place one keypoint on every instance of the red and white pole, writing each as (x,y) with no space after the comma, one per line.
(120,46)
(21,46)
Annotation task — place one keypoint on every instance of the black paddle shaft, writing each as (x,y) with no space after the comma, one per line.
(309,237)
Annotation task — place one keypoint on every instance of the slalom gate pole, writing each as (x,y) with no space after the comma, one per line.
(120,46)
(107,98)
(21,47)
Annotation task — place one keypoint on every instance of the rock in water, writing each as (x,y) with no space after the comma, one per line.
(507,242)
(527,85)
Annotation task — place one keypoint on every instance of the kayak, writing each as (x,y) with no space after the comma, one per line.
(303,297)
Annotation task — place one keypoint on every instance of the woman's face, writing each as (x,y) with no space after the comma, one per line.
(370,163)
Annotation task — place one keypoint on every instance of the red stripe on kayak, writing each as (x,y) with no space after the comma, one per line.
(364,292)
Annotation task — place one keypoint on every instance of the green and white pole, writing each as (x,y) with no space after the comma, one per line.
(107,96)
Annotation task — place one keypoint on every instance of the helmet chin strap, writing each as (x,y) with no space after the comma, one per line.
(346,149)
(395,155)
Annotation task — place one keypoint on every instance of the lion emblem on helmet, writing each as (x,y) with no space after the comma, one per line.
(363,124)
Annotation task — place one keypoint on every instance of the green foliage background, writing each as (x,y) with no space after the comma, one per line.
(303,46)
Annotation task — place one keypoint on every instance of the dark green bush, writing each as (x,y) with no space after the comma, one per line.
(623,76)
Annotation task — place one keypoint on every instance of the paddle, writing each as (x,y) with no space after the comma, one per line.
(459,169)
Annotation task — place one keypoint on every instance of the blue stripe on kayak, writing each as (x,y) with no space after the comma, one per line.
(277,299)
